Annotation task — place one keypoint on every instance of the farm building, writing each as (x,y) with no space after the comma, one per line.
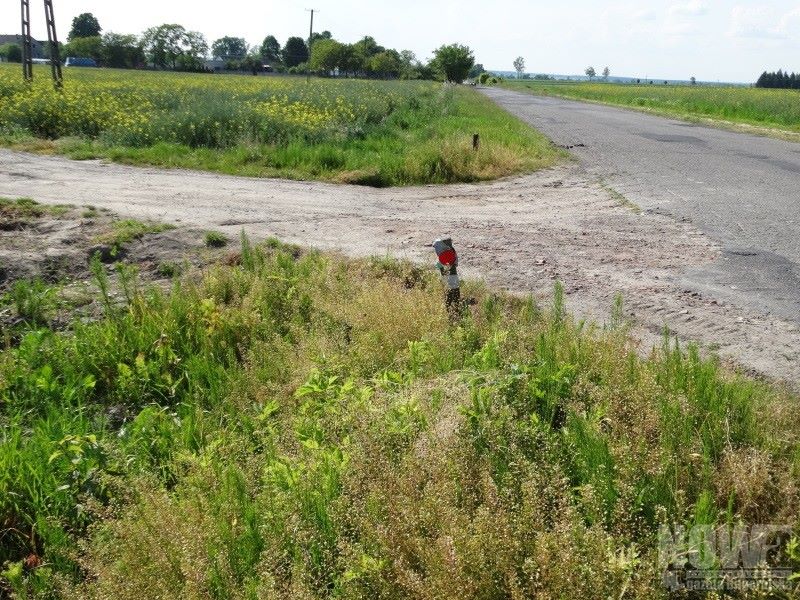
(37,47)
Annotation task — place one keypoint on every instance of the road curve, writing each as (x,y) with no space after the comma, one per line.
(742,190)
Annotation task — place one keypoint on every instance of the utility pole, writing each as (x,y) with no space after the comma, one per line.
(311,29)
(52,39)
(310,41)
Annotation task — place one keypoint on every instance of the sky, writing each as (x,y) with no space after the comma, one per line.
(712,40)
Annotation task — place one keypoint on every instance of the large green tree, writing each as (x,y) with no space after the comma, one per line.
(295,52)
(270,49)
(83,26)
(453,62)
(386,64)
(122,51)
(85,47)
(229,48)
(326,56)
(170,45)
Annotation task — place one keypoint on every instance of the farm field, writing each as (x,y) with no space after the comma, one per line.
(365,132)
(768,108)
(279,423)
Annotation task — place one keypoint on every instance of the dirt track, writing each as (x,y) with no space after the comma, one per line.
(520,234)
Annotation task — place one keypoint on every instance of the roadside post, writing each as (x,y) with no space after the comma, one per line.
(448,267)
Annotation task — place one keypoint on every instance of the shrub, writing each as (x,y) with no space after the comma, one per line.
(215,239)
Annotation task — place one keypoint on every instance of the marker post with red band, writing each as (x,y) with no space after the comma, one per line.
(448,267)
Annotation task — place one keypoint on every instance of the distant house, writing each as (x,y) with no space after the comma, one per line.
(215,65)
(37,46)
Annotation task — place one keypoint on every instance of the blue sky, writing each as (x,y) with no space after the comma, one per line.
(710,39)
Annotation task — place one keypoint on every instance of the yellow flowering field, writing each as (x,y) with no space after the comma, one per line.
(374,132)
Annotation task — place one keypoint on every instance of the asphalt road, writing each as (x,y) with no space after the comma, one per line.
(741,189)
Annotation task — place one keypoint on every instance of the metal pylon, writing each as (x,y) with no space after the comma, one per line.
(52,38)
(27,42)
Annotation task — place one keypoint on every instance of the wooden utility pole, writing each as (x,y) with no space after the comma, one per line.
(310,41)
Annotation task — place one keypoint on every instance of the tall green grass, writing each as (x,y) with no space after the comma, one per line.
(753,106)
(302,426)
(378,133)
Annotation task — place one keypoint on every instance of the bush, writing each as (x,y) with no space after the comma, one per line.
(11,52)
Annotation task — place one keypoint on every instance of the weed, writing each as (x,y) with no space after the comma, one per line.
(301,425)
(33,301)
(215,239)
(168,269)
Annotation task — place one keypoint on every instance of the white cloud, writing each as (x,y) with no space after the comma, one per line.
(692,8)
(682,18)
(756,22)
(789,25)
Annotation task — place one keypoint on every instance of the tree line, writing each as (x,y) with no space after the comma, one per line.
(171,46)
(780,80)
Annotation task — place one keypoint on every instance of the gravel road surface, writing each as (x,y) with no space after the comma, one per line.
(520,234)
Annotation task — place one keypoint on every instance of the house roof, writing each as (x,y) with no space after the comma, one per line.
(14,38)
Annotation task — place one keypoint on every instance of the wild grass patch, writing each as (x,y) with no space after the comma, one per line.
(377,133)
(299,425)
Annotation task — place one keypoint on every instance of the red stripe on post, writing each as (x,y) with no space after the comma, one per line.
(448,257)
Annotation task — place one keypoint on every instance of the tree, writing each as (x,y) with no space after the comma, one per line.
(350,59)
(386,64)
(453,62)
(369,46)
(11,52)
(85,47)
(228,47)
(164,44)
(316,36)
(252,63)
(590,73)
(270,49)
(170,45)
(326,56)
(693,80)
(83,26)
(121,51)
(475,71)
(195,50)
(606,73)
(519,66)
(295,52)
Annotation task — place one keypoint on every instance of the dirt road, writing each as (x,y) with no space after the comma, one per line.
(520,234)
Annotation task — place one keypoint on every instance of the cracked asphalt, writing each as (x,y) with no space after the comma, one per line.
(743,190)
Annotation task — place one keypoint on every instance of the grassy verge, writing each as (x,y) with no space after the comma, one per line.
(300,426)
(363,132)
(758,108)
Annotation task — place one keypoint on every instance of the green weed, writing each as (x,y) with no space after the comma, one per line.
(215,239)
(300,425)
